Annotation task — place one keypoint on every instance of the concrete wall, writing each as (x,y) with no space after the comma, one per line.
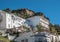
(3,22)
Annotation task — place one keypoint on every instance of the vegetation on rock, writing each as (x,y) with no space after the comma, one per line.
(39,28)
(26,13)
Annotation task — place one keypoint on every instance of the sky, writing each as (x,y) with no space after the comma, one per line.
(50,8)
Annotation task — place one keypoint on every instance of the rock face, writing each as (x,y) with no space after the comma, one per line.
(25,11)
(29,12)
(20,11)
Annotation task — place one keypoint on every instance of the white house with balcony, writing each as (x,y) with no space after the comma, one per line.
(9,20)
(36,20)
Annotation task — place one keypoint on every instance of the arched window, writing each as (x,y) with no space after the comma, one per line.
(13,17)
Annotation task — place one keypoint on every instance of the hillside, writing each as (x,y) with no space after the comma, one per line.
(26,13)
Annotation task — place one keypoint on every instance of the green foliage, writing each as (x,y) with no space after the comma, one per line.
(13,41)
(7,10)
(4,39)
(40,28)
(52,29)
(39,14)
(27,29)
(57,28)
(22,13)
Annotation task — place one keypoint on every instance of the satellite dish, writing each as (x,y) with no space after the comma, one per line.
(0,17)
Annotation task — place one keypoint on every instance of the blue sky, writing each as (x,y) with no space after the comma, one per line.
(51,8)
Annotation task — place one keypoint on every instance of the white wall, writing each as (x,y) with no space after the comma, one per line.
(44,25)
(36,20)
(44,20)
(54,38)
(59,37)
(16,22)
(8,21)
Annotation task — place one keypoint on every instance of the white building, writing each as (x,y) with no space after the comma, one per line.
(36,20)
(9,20)
(59,38)
(37,37)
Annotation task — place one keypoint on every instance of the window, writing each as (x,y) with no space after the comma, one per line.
(9,25)
(8,19)
(13,17)
(13,21)
(18,23)
(25,40)
(22,40)
(22,22)
(20,19)
(39,40)
(13,26)
(28,20)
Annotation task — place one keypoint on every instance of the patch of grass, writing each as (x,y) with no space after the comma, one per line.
(12,41)
(4,39)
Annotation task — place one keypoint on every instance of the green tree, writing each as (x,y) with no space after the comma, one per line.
(57,28)
(7,10)
(52,29)
(39,28)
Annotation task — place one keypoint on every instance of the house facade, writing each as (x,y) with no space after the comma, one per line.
(36,20)
(36,37)
(9,20)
